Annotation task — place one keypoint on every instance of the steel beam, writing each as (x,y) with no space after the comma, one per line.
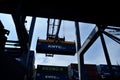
(78,44)
(31,30)
(89,41)
(21,32)
(80,58)
(78,35)
(91,38)
(112,37)
(48,22)
(86,45)
(58,29)
(107,56)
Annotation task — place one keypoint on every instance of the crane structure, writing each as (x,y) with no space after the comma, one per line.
(53,43)
(19,63)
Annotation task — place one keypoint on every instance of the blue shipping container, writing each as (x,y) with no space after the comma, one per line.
(49,76)
(64,48)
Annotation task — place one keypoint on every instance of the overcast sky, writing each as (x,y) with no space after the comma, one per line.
(94,55)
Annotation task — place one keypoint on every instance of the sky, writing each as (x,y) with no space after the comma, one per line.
(94,55)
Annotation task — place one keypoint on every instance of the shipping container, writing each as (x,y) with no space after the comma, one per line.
(51,76)
(52,47)
(73,71)
(104,71)
(52,69)
(90,71)
(45,72)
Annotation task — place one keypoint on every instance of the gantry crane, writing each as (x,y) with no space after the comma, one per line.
(53,43)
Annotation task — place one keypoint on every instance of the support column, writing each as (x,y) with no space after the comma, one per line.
(80,58)
(78,35)
(21,32)
(86,45)
(31,30)
(107,56)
